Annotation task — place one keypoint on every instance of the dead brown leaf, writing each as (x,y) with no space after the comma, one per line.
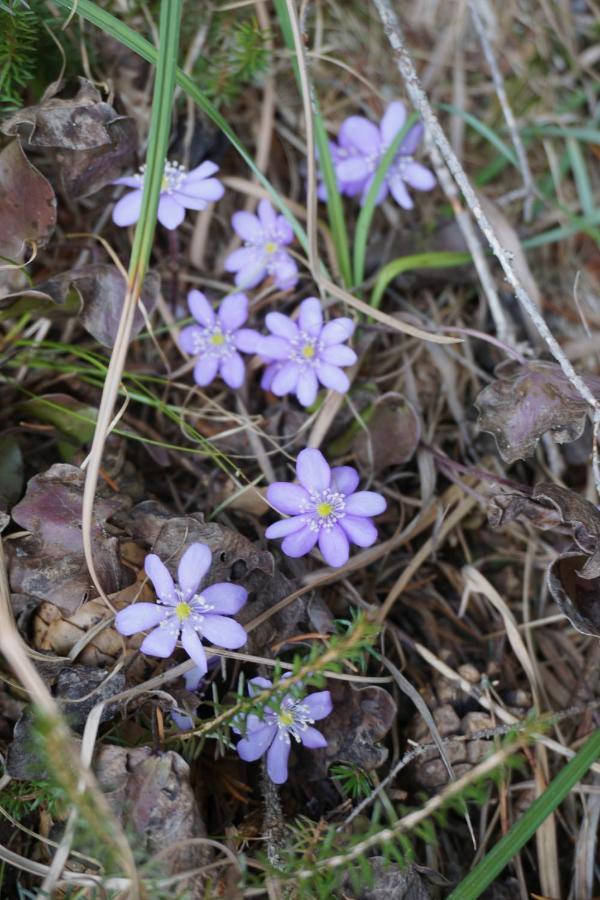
(392,435)
(27,201)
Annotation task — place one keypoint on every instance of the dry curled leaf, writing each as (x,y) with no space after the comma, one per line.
(361,717)
(50,563)
(577,597)
(152,797)
(95,293)
(581,516)
(27,202)
(93,144)
(526,401)
(392,434)
(506,508)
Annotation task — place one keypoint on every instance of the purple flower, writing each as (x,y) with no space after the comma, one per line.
(180,190)
(339,153)
(304,354)
(264,236)
(282,719)
(324,507)
(363,145)
(182,613)
(217,338)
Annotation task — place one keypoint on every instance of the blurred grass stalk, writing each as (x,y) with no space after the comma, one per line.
(497,859)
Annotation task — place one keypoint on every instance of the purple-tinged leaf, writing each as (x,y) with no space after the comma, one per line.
(527,401)
(577,597)
(27,202)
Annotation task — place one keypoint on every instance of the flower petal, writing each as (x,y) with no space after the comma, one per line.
(310,318)
(170,213)
(193,566)
(268,377)
(132,181)
(193,647)
(205,370)
(255,686)
(204,170)
(360,134)
(247,227)
(339,355)
(412,140)
(267,215)
(286,379)
(419,177)
(344,479)
(353,170)
(160,642)
(256,743)
(300,542)
(127,209)
(287,498)
(200,190)
(307,387)
(192,678)
(247,340)
(333,378)
(250,275)
(139,617)
(400,193)
(277,760)
(200,308)
(284,527)
(337,331)
(189,339)
(281,325)
(159,575)
(360,530)
(284,231)
(183,721)
(365,503)
(225,598)
(223,632)
(241,258)
(334,546)
(319,704)
(284,271)
(233,311)
(392,122)
(313,470)
(187,201)
(312,738)
(233,371)
(273,347)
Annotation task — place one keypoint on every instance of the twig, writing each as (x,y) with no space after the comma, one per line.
(417,96)
(506,108)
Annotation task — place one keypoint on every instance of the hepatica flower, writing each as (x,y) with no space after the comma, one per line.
(265,237)
(180,190)
(324,507)
(217,338)
(283,719)
(183,612)
(304,354)
(362,146)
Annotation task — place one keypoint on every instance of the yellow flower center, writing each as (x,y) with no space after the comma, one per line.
(286,718)
(164,185)
(270,247)
(308,352)
(217,339)
(183,611)
(324,509)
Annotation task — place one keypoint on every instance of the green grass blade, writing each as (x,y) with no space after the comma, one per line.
(433,260)
(494,862)
(335,209)
(484,131)
(580,174)
(130,38)
(365,217)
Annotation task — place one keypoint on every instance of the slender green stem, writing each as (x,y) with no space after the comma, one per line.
(130,38)
(494,862)
(363,223)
